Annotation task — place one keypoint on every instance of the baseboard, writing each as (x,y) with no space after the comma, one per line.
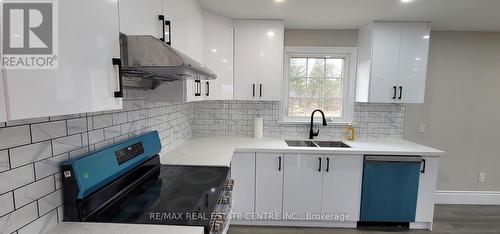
(468,197)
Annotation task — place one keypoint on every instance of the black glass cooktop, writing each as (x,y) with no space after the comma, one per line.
(180,195)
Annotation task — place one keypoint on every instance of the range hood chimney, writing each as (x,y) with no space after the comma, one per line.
(148,61)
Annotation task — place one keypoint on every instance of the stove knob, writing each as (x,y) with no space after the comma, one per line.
(218,227)
(226,200)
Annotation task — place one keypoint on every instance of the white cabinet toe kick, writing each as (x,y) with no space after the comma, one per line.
(312,190)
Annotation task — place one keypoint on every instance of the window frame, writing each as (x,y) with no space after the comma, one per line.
(350,59)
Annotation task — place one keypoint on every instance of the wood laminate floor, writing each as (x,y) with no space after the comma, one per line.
(448,219)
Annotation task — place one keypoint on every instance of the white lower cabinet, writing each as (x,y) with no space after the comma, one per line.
(341,194)
(302,185)
(243,173)
(426,190)
(268,183)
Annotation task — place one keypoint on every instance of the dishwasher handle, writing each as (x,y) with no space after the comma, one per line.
(396,159)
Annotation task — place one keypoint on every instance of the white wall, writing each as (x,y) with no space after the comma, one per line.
(462,109)
(318,37)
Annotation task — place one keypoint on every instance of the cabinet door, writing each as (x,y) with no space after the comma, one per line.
(219,55)
(140,17)
(270,66)
(342,185)
(86,78)
(268,183)
(302,184)
(385,61)
(426,190)
(413,61)
(3,108)
(243,173)
(246,47)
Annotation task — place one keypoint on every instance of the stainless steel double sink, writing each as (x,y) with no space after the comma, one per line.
(317,144)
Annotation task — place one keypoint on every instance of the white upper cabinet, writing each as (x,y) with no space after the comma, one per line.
(86,79)
(258,59)
(187,35)
(392,63)
(219,56)
(3,109)
(142,17)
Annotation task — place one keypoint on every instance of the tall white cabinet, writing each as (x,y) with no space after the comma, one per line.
(218,56)
(258,59)
(86,79)
(392,62)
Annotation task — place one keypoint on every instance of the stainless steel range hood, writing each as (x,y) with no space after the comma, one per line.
(148,61)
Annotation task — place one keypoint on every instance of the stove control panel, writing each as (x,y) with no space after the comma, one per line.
(125,154)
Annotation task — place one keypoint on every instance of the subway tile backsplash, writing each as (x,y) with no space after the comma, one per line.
(236,118)
(31,150)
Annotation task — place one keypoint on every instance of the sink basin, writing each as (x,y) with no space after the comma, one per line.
(301,144)
(331,144)
(322,144)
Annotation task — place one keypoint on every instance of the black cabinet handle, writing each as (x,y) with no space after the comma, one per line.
(279,163)
(260,88)
(208,89)
(327,164)
(162,19)
(400,91)
(253,90)
(197,88)
(319,168)
(423,168)
(169,25)
(395,92)
(118,62)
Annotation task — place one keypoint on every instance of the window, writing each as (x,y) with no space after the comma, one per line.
(319,78)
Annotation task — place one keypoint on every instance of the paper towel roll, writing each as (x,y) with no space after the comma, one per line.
(258,128)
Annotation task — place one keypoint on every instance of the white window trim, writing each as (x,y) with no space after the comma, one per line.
(351,56)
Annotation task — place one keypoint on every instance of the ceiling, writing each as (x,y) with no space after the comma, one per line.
(454,15)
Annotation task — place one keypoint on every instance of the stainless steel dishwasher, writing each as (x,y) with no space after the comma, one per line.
(390,188)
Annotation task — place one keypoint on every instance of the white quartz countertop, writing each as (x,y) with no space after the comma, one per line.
(218,151)
(114,228)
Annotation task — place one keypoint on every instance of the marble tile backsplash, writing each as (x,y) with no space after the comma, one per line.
(32,149)
(236,118)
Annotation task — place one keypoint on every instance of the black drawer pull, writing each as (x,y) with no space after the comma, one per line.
(279,163)
(319,168)
(423,168)
(118,62)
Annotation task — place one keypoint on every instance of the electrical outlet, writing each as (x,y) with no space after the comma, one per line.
(422,127)
(482,177)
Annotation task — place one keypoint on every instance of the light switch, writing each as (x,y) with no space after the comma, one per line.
(422,127)
(482,177)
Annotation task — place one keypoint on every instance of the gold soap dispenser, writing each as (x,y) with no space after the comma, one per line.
(351,133)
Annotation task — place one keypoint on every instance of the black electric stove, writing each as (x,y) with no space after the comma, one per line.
(145,192)
(180,195)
